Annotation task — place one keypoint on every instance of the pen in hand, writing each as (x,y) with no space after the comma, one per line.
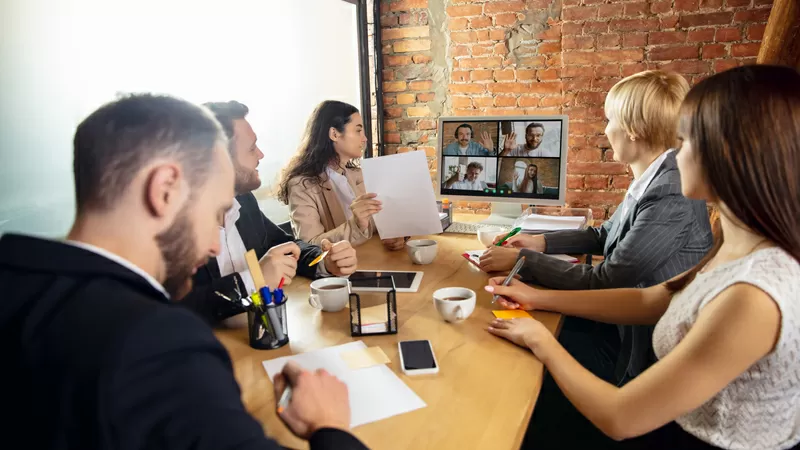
(510,276)
(512,233)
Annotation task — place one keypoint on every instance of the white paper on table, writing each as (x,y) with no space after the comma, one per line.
(376,393)
(403,185)
(474,256)
(541,222)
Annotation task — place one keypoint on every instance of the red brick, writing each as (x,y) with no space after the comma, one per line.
(701,35)
(668,22)
(504,75)
(611,10)
(598,168)
(577,42)
(574,182)
(505,101)
(725,64)
(604,56)
(687,5)
(621,182)
(518,88)
(669,37)
(479,63)
(426,97)
(463,37)
(397,60)
(733,3)
(670,53)
(571,29)
(634,40)
(461,102)
(546,87)
(601,141)
(405,5)
(393,113)
(504,20)
(551,34)
(464,10)
(461,50)
(497,34)
(482,102)
(763,2)
(596,181)
(404,33)
(389,125)
(585,113)
(458,24)
(713,51)
(418,111)
(630,69)
(585,154)
(460,75)
(545,74)
(391,138)
(551,100)
(660,7)
(426,125)
(607,70)
(728,34)
(466,112)
(578,71)
(688,66)
(580,13)
(755,32)
(500,49)
(420,85)
(711,4)
(571,2)
(421,59)
(527,101)
(481,50)
(699,20)
(389,100)
(527,74)
(605,84)
(590,98)
(502,7)
(740,50)
(636,9)
(467,88)
(480,22)
(586,198)
(481,75)
(394,86)
(595,27)
(406,99)
(549,47)
(577,84)
(532,61)
(414,45)
(482,35)
(633,24)
(388,21)
(753,15)
(608,40)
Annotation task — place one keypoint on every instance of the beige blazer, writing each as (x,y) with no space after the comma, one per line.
(316,213)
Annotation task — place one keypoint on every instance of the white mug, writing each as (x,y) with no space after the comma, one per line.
(422,251)
(328,299)
(454,310)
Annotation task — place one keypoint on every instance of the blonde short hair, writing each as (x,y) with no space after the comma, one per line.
(647,104)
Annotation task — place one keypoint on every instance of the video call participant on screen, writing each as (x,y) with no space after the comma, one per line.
(465,146)
(529,183)
(94,347)
(532,148)
(470,181)
(726,331)
(245,228)
(324,186)
(654,235)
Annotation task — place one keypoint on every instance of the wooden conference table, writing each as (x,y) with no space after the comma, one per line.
(482,396)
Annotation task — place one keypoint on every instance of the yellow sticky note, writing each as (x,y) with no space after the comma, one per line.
(368,357)
(373,314)
(511,314)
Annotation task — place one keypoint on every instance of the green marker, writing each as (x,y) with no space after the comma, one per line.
(512,233)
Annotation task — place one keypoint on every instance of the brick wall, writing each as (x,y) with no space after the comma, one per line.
(512,57)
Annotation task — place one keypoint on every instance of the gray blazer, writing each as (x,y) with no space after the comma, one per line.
(662,235)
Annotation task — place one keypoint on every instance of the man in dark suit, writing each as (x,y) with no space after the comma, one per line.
(245,228)
(96,355)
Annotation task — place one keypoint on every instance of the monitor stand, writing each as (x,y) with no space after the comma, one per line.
(503,214)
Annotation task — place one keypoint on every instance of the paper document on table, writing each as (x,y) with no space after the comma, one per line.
(403,185)
(375,392)
(541,222)
(474,256)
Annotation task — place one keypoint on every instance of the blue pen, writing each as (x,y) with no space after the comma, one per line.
(266,295)
(278,296)
(272,313)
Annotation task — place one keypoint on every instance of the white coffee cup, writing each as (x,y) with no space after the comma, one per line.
(487,234)
(422,251)
(454,310)
(329,294)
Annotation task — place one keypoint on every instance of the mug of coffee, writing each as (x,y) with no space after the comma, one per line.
(330,294)
(422,251)
(454,304)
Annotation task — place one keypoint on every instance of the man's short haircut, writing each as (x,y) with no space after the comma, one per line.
(646,105)
(226,113)
(464,125)
(475,165)
(122,137)
(534,125)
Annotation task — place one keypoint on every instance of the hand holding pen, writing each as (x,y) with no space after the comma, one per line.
(511,275)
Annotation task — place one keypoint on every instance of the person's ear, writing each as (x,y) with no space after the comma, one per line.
(165,190)
(333,134)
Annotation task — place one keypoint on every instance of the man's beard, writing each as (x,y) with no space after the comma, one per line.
(177,246)
(246,180)
(533,145)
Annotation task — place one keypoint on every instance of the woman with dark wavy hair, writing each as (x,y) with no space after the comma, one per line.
(323,184)
(727,332)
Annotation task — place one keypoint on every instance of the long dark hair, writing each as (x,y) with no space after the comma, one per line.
(744,125)
(527,180)
(316,151)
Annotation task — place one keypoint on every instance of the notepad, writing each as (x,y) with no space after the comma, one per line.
(512,314)
(363,358)
(542,222)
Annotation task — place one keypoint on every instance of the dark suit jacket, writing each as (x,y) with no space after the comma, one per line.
(663,234)
(258,233)
(95,357)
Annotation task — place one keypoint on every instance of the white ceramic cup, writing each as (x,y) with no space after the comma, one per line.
(422,251)
(487,234)
(454,310)
(329,299)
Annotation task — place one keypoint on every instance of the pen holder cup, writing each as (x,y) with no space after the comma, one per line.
(268,330)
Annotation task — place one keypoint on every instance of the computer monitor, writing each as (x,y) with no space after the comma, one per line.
(507,160)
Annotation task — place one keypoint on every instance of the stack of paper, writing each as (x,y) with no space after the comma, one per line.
(376,393)
(541,222)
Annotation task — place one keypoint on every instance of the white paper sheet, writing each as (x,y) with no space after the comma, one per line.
(376,393)
(403,184)
(474,256)
(541,222)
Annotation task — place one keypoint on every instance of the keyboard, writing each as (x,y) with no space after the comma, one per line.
(472,228)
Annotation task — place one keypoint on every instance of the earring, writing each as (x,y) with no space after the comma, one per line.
(633,138)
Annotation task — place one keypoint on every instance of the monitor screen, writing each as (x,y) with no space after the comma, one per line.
(518,159)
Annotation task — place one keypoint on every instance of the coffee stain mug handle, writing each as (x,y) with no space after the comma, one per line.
(417,255)
(314,301)
(459,313)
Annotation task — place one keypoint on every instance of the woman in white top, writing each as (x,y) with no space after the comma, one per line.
(727,332)
(323,185)
(529,181)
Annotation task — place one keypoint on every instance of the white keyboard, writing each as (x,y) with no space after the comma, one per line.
(472,228)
